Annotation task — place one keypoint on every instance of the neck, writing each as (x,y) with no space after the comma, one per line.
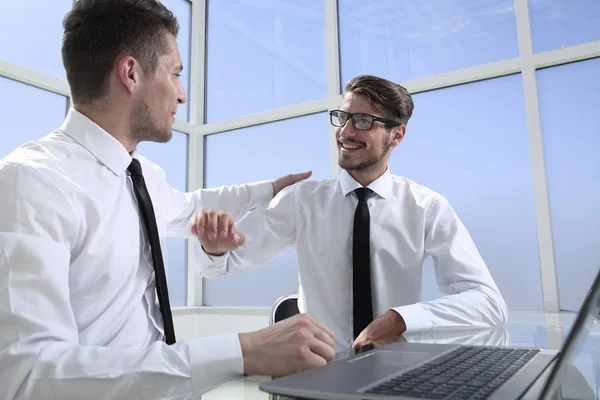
(368,175)
(115,124)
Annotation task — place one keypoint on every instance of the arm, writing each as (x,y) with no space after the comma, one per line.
(472,297)
(236,200)
(40,353)
(261,236)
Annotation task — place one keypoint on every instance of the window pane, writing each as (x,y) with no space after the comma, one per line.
(569,104)
(461,145)
(31,33)
(259,153)
(264,55)
(402,40)
(557,23)
(182,9)
(18,104)
(172,157)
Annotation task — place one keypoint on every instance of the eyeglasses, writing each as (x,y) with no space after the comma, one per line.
(361,121)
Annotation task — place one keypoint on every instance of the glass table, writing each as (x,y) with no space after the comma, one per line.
(524,329)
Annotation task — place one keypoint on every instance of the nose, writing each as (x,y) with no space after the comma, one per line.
(181,95)
(346,130)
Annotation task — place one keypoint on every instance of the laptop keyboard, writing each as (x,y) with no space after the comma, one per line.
(465,373)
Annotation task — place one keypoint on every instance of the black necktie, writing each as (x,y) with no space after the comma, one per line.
(361,263)
(145,205)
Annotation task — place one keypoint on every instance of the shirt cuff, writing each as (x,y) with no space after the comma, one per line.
(262,193)
(415,317)
(208,265)
(215,360)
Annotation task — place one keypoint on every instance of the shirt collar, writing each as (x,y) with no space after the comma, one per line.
(108,150)
(382,185)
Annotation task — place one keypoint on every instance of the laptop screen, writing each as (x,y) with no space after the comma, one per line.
(565,367)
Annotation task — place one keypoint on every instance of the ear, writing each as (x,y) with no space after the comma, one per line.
(398,133)
(129,73)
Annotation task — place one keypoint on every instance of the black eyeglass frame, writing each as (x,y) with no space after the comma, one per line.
(374,118)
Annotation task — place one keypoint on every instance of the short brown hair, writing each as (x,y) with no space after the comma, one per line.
(387,97)
(98,32)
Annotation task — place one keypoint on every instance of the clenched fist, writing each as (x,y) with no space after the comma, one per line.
(216,232)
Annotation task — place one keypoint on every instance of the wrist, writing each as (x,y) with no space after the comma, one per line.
(246,344)
(400,323)
(212,252)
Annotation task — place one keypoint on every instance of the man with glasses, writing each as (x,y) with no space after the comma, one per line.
(362,238)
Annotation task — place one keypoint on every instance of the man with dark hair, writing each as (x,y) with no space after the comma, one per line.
(362,239)
(84,306)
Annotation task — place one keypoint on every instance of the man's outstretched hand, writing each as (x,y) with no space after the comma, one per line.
(285,181)
(216,232)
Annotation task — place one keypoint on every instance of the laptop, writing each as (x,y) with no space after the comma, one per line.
(446,371)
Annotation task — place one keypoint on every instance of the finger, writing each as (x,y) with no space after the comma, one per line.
(310,359)
(322,349)
(193,225)
(231,231)
(301,176)
(201,224)
(239,239)
(224,223)
(359,341)
(323,328)
(200,228)
(324,337)
(210,226)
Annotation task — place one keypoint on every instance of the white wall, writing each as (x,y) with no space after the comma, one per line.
(205,321)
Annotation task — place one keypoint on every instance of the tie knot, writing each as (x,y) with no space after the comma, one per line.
(363,194)
(135,168)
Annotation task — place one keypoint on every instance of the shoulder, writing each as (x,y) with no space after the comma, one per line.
(45,159)
(309,188)
(422,195)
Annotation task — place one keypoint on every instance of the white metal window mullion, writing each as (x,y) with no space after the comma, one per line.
(196,139)
(332,50)
(536,151)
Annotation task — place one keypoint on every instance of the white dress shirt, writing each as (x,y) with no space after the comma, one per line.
(79,317)
(408,223)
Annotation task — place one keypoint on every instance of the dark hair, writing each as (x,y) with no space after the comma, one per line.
(387,97)
(98,32)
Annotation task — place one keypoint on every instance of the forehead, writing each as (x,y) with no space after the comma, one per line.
(356,103)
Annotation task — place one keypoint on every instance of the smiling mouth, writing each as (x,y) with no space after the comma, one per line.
(349,147)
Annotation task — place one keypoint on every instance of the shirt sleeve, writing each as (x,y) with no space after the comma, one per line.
(40,353)
(472,297)
(176,208)
(268,231)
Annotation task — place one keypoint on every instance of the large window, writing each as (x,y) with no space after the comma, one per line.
(27,113)
(561,23)
(403,40)
(569,106)
(258,153)
(172,157)
(30,34)
(459,144)
(267,71)
(182,9)
(263,55)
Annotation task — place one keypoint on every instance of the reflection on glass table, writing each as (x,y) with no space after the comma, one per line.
(524,329)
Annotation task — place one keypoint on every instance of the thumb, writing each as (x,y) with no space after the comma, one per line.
(238,239)
(301,176)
